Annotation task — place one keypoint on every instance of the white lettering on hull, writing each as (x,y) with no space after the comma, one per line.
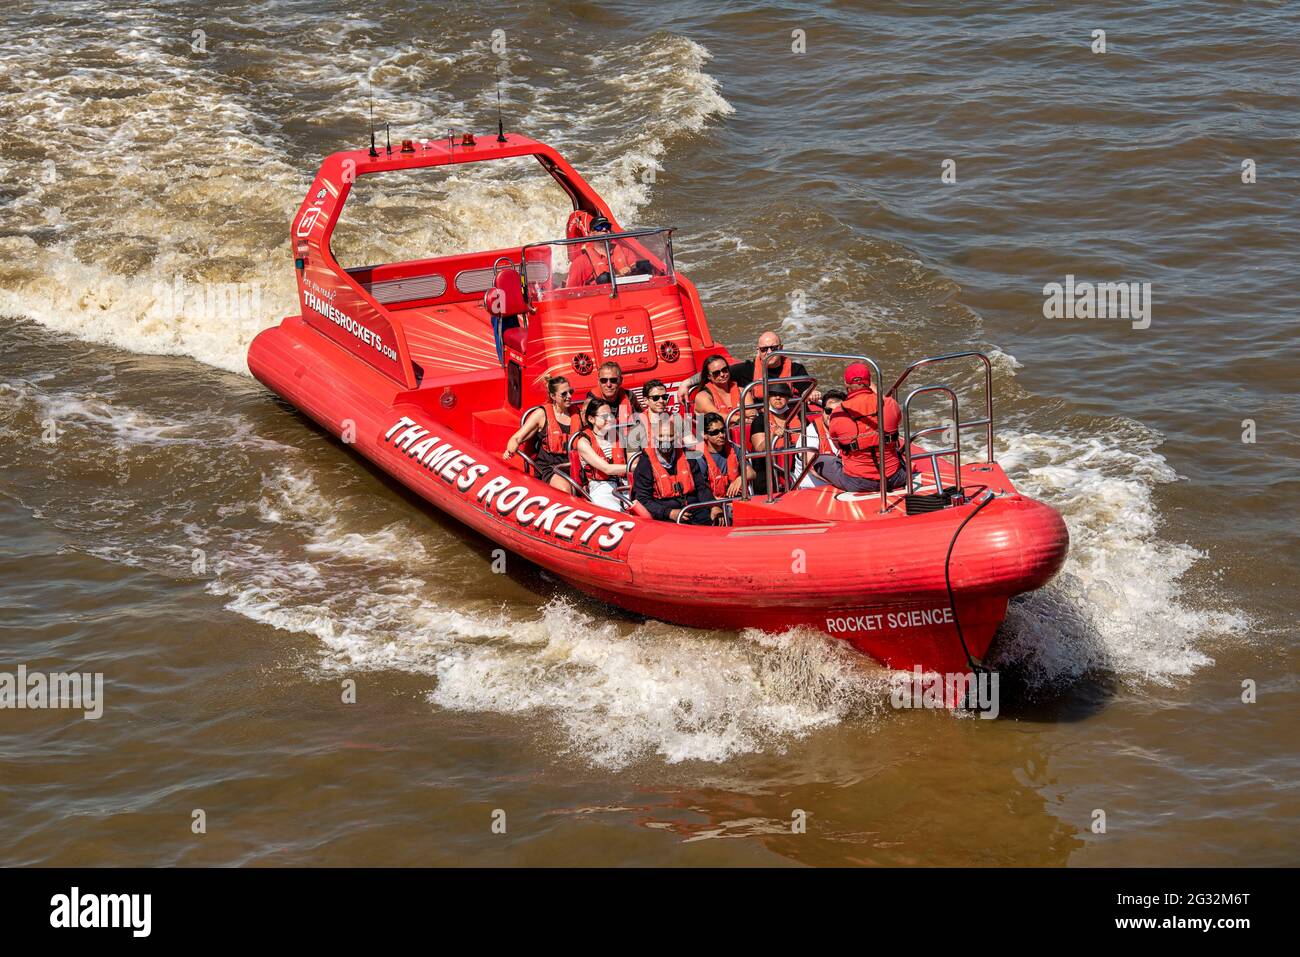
(499,494)
(889,621)
(341,319)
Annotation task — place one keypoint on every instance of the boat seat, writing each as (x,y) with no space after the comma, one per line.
(505,301)
(515,338)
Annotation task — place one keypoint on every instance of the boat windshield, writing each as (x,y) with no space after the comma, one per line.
(601,264)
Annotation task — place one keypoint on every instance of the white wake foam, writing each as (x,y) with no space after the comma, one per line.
(1120,604)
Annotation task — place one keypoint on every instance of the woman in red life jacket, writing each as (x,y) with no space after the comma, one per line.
(854,430)
(665,480)
(717,393)
(720,459)
(590,264)
(552,424)
(597,456)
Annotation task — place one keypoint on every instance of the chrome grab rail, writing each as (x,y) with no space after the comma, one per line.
(724,502)
(987,421)
(772,467)
(931,454)
(802,401)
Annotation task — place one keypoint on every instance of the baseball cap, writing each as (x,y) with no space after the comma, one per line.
(857,370)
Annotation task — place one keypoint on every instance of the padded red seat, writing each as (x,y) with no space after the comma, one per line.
(515,339)
(506,297)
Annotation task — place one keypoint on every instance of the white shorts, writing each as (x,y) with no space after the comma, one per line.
(602,494)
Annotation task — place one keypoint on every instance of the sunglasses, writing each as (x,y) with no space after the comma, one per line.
(717,372)
(715,432)
(565,393)
(658,398)
(612,381)
(600,229)
(769,348)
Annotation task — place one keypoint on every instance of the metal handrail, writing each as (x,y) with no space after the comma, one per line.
(803,398)
(578,490)
(931,454)
(797,409)
(724,502)
(987,421)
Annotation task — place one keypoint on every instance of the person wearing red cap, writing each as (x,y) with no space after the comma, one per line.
(854,431)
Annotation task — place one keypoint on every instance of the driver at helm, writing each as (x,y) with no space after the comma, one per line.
(589,264)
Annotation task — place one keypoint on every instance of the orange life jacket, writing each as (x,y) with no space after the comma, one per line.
(860,406)
(615,456)
(674,484)
(718,479)
(725,402)
(679,424)
(623,409)
(824,446)
(793,435)
(758,373)
(624,412)
(595,253)
(556,436)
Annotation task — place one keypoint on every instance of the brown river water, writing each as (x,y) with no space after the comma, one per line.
(227,567)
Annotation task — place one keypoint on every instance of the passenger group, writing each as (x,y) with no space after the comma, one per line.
(635,453)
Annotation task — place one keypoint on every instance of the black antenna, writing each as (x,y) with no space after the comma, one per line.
(374,153)
(388,143)
(501,130)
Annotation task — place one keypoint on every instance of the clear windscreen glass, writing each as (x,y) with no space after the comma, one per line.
(599,264)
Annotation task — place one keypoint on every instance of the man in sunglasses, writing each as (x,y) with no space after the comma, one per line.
(721,460)
(641,434)
(743,373)
(609,388)
(590,265)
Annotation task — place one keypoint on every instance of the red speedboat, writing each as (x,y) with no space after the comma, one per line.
(428,377)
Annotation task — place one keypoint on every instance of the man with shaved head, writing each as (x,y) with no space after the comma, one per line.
(743,373)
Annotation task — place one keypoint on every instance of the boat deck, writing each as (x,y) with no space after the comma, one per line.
(449,338)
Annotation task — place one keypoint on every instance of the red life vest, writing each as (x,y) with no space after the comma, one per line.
(679,425)
(624,412)
(792,436)
(595,253)
(623,409)
(615,456)
(719,480)
(824,446)
(556,436)
(726,402)
(680,482)
(859,452)
(758,373)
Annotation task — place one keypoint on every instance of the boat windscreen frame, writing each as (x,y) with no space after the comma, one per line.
(606,238)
